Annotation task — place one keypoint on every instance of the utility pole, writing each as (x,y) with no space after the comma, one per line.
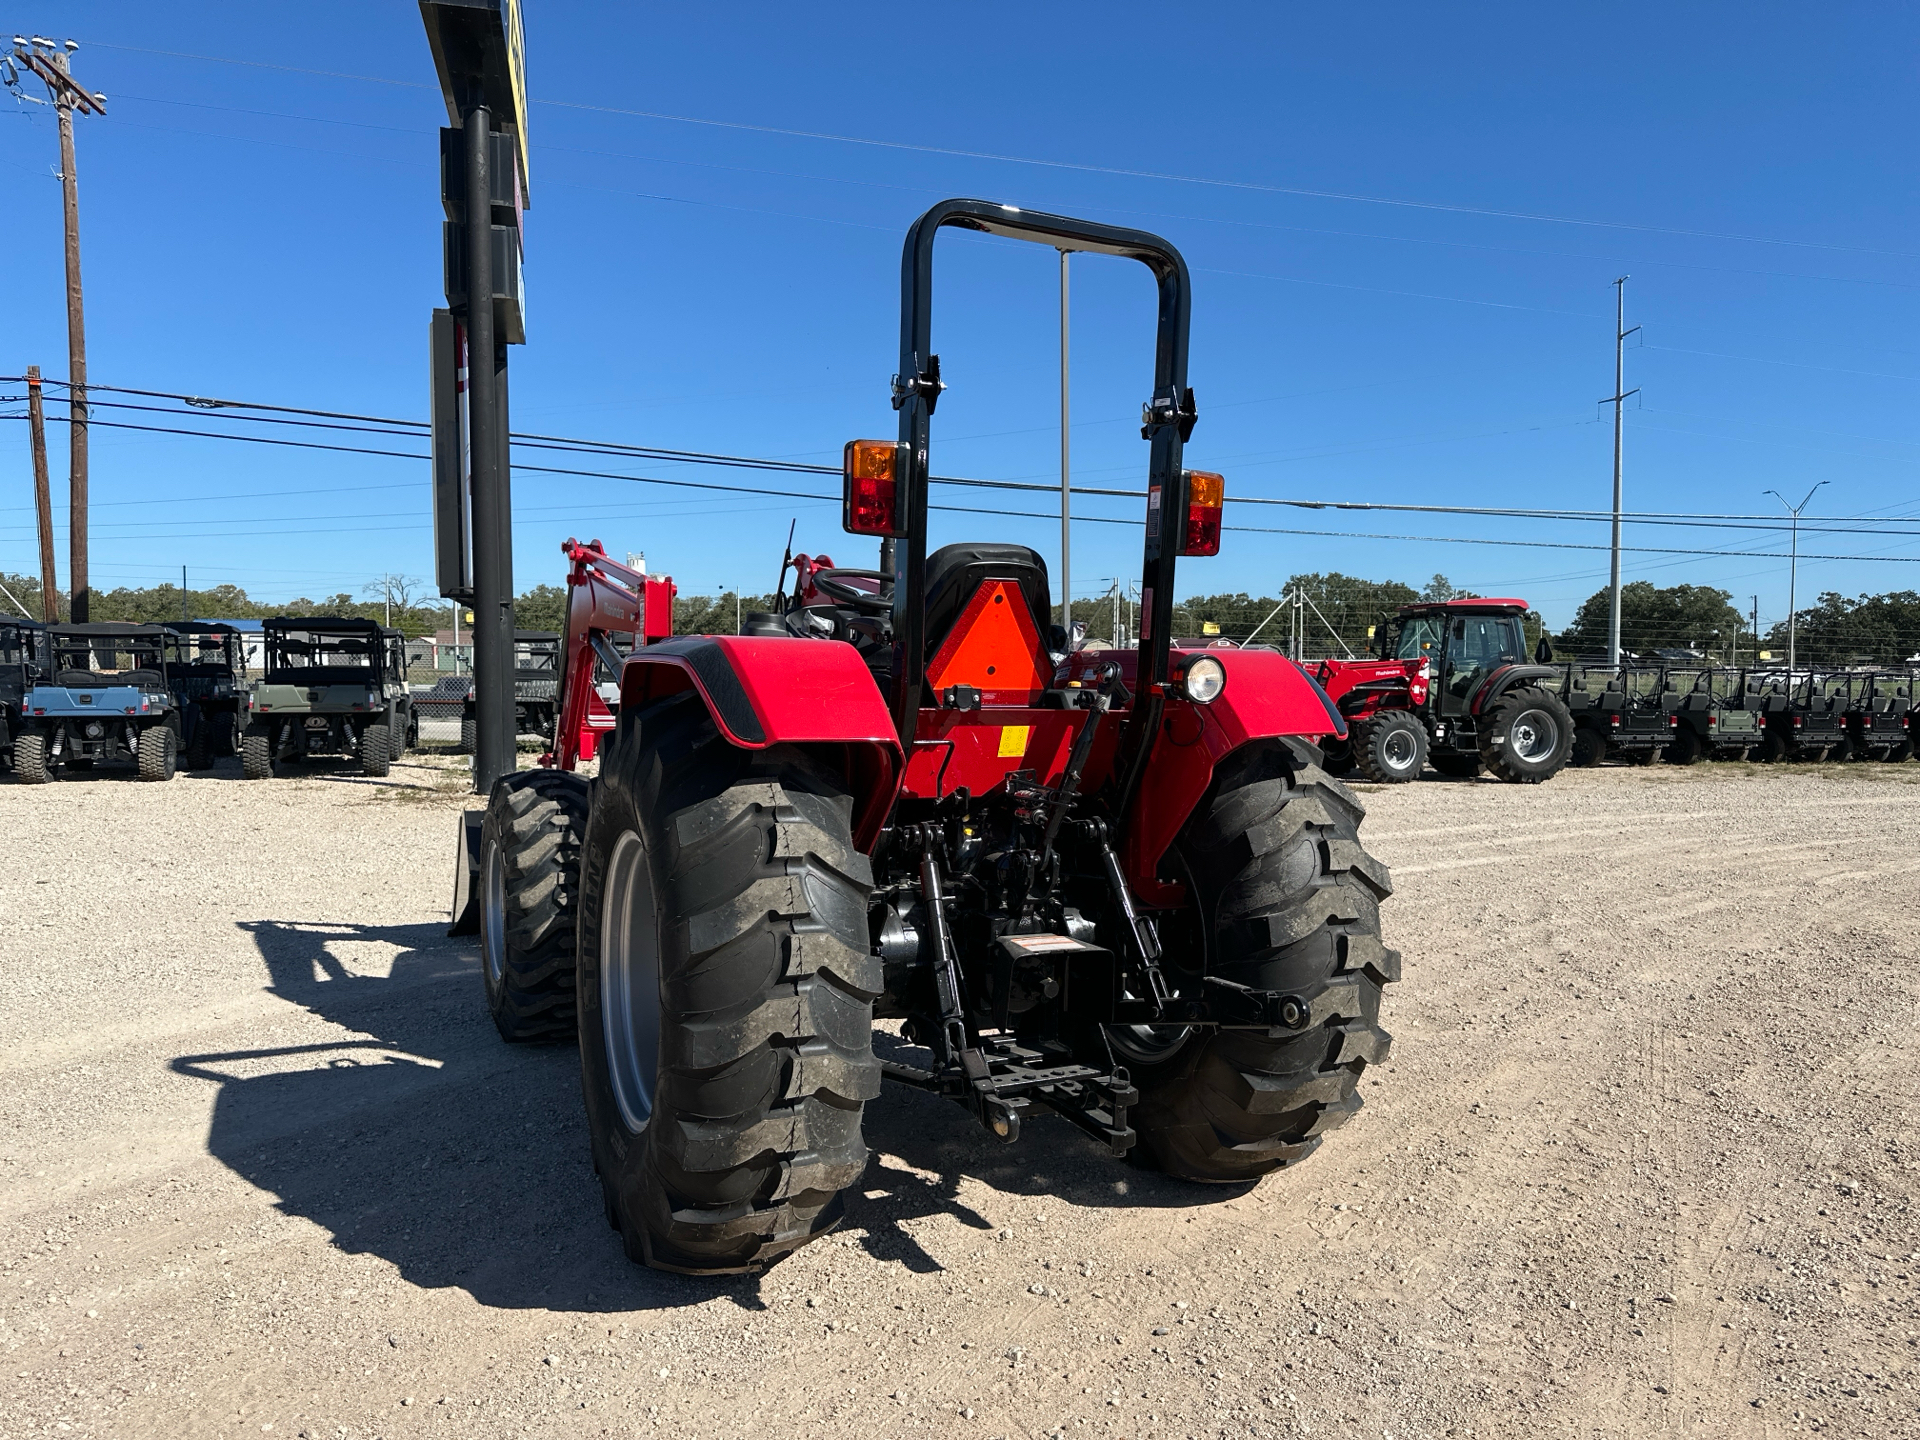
(1756,629)
(42,497)
(183,594)
(1066,494)
(1793,572)
(53,65)
(1618,400)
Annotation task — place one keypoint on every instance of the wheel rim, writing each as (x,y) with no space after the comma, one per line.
(1148,1044)
(1533,735)
(630,981)
(1398,749)
(493,920)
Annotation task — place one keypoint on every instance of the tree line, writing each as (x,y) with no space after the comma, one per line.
(1340,614)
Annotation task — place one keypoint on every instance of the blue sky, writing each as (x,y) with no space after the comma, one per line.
(1441,334)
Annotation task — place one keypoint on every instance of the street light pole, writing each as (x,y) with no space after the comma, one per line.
(1793,572)
(1066,500)
(1618,400)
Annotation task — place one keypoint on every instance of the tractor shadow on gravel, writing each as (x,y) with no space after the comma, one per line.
(418,1137)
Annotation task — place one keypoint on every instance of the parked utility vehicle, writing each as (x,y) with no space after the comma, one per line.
(1116,885)
(1707,715)
(1879,709)
(536,689)
(1450,684)
(109,698)
(1616,713)
(207,670)
(25,657)
(330,686)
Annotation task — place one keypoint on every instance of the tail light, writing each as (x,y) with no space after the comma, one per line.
(870,471)
(1206,493)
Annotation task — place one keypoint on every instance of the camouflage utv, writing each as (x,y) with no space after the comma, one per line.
(331,687)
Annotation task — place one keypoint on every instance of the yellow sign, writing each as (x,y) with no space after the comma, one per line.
(1208,627)
(1013,739)
(517,75)
(1766,654)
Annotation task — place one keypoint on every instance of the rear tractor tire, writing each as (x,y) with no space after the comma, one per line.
(1289,901)
(376,751)
(1528,737)
(529,902)
(157,753)
(30,758)
(726,988)
(1390,748)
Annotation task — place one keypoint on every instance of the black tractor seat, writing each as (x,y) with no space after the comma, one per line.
(954,572)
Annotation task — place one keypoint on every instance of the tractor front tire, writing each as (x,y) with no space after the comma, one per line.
(1390,748)
(1288,901)
(726,988)
(30,758)
(1456,766)
(529,901)
(376,750)
(157,753)
(1590,747)
(1528,737)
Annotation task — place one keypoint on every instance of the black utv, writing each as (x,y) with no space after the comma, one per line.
(536,689)
(25,656)
(1616,713)
(207,670)
(1708,716)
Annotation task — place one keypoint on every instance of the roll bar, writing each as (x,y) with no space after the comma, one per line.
(1167,420)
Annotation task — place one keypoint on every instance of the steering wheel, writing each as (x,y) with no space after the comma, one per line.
(834,584)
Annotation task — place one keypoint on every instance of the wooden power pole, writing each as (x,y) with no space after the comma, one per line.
(42,496)
(53,65)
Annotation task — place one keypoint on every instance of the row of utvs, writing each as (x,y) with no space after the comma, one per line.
(159,696)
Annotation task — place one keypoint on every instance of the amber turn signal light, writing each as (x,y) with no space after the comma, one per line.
(872,493)
(1206,495)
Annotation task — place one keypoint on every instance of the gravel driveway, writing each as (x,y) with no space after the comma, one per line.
(1642,1161)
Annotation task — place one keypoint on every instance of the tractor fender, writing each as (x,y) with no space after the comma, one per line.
(772,690)
(1500,681)
(1266,696)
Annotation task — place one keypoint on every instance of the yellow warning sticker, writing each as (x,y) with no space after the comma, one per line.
(1013,739)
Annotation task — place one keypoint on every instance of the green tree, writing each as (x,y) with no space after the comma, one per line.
(1691,617)
(544,607)
(1874,629)
(1440,589)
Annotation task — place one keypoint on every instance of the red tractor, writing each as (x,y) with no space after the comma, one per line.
(1450,684)
(1113,886)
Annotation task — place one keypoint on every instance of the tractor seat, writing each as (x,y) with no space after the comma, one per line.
(79,677)
(762,622)
(954,572)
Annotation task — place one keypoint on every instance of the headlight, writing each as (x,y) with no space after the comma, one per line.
(1202,679)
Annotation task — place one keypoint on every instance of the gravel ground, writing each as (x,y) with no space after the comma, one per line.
(1641,1163)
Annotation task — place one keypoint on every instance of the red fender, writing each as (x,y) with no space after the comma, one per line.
(1266,696)
(769,690)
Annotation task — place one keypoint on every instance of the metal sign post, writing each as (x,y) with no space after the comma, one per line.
(479,54)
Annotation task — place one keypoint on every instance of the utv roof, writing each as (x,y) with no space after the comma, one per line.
(112,629)
(339,624)
(200,627)
(1422,606)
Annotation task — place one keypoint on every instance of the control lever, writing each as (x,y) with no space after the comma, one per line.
(1146,943)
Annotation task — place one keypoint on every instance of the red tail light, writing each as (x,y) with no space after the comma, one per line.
(870,470)
(1206,494)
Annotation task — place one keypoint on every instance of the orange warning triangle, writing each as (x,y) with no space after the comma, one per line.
(994,645)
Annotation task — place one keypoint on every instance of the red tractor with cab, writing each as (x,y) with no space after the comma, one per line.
(1116,886)
(1450,684)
